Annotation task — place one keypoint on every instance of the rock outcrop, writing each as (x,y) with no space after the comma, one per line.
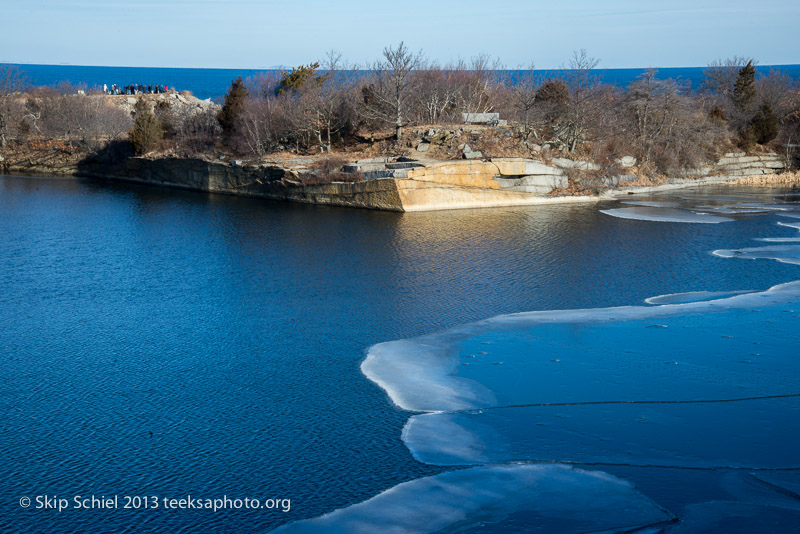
(732,165)
(396,184)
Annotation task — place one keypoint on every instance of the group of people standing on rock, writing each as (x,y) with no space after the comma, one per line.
(135,89)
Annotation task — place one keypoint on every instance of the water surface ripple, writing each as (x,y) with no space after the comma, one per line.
(174,343)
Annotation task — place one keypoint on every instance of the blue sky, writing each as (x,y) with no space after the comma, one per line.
(265,33)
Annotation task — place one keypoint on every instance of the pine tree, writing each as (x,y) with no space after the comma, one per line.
(300,78)
(233,107)
(744,91)
(147,130)
(765,125)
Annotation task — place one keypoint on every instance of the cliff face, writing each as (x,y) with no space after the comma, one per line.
(271,181)
(447,185)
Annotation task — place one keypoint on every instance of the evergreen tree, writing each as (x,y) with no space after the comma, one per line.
(147,130)
(302,77)
(744,90)
(233,106)
(765,125)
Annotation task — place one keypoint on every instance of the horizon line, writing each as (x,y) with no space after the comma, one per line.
(284,67)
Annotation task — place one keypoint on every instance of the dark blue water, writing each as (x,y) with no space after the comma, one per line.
(165,343)
(214,83)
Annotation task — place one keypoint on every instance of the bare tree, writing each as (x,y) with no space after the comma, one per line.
(387,94)
(435,95)
(782,93)
(582,106)
(11,82)
(653,104)
(476,81)
(334,99)
(264,125)
(721,75)
(670,128)
(523,99)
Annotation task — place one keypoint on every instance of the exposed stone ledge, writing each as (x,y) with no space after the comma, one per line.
(411,185)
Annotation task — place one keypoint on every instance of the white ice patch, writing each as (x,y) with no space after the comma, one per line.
(415,371)
(418,374)
(555,498)
(692,296)
(779,239)
(438,439)
(652,203)
(781,253)
(733,210)
(644,213)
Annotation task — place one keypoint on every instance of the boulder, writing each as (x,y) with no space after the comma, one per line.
(374,175)
(404,165)
(423,147)
(481,118)
(565,163)
(627,161)
(438,137)
(473,155)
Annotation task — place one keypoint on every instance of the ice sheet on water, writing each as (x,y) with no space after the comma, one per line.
(692,296)
(731,517)
(587,355)
(786,482)
(652,203)
(729,210)
(779,239)
(555,498)
(771,488)
(779,207)
(644,213)
(782,253)
(753,434)
(418,375)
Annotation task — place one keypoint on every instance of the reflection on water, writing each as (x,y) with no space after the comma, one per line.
(183,343)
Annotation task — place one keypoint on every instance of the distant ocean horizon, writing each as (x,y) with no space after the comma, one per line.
(213,83)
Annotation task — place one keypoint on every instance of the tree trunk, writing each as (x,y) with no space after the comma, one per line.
(329,138)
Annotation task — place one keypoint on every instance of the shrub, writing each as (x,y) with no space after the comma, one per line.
(764,125)
(330,170)
(146,132)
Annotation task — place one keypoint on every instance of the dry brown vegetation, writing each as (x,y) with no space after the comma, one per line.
(330,108)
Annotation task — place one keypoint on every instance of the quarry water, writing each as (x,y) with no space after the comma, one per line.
(621,366)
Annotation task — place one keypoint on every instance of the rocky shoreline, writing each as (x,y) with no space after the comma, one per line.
(404,184)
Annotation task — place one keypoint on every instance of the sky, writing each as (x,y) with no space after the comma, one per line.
(257,34)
